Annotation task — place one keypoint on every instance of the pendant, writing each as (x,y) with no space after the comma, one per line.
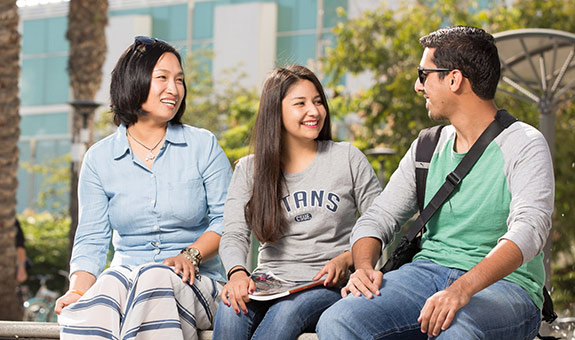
(150,156)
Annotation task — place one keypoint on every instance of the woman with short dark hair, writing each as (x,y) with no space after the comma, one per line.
(156,188)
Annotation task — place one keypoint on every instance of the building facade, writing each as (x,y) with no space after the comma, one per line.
(250,36)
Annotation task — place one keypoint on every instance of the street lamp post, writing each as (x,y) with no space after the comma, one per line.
(81,140)
(379,154)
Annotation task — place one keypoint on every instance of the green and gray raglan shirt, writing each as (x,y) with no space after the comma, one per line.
(508,194)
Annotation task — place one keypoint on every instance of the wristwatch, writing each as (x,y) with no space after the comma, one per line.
(193,255)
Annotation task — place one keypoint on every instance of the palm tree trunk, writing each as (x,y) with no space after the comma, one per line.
(87,20)
(11,308)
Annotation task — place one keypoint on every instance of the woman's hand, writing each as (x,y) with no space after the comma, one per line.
(182,265)
(80,282)
(236,291)
(65,300)
(336,269)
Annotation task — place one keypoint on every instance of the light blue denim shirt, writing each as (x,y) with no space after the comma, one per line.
(152,214)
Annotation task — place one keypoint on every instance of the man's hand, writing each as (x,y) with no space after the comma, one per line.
(363,281)
(440,309)
(336,269)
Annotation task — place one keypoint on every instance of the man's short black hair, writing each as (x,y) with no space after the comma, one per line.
(470,50)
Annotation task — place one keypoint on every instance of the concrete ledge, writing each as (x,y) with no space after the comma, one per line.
(28,330)
(24,330)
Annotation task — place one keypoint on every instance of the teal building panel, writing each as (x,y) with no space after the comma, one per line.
(168,22)
(295,49)
(247,1)
(295,15)
(31,81)
(44,81)
(33,39)
(44,124)
(55,35)
(330,18)
(203,21)
(41,36)
(56,83)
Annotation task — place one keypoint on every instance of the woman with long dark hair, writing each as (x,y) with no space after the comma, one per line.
(300,194)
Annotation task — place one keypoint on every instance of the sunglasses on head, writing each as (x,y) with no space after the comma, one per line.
(143,40)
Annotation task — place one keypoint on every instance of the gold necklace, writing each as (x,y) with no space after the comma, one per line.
(151,155)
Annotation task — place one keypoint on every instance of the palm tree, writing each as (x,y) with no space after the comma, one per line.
(87,20)
(9,134)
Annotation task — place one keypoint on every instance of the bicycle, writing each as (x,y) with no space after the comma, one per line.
(40,308)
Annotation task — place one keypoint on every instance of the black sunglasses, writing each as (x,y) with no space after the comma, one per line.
(143,40)
(423,76)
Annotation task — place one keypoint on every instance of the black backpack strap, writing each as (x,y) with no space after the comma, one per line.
(548,312)
(426,143)
(502,120)
(505,118)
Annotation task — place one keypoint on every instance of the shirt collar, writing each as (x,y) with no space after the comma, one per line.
(174,135)
(121,145)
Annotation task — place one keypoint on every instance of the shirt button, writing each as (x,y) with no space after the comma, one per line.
(157,244)
(153,201)
(152,176)
(156,251)
(155,227)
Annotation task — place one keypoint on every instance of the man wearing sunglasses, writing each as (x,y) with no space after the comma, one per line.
(480,272)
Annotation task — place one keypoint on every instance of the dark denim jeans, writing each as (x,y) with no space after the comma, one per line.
(284,318)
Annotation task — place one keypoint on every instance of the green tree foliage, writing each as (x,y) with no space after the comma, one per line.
(228,109)
(55,189)
(385,44)
(46,247)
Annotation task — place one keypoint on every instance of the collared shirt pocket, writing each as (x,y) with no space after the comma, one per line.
(188,200)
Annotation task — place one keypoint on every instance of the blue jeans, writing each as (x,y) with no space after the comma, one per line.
(500,311)
(284,318)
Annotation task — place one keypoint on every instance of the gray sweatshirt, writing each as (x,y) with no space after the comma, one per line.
(321,205)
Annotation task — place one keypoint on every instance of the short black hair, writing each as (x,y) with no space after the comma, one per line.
(470,50)
(131,79)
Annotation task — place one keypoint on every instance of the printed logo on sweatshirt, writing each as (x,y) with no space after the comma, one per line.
(310,199)
(303,217)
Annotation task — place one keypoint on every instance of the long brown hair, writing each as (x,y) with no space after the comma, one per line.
(264,213)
